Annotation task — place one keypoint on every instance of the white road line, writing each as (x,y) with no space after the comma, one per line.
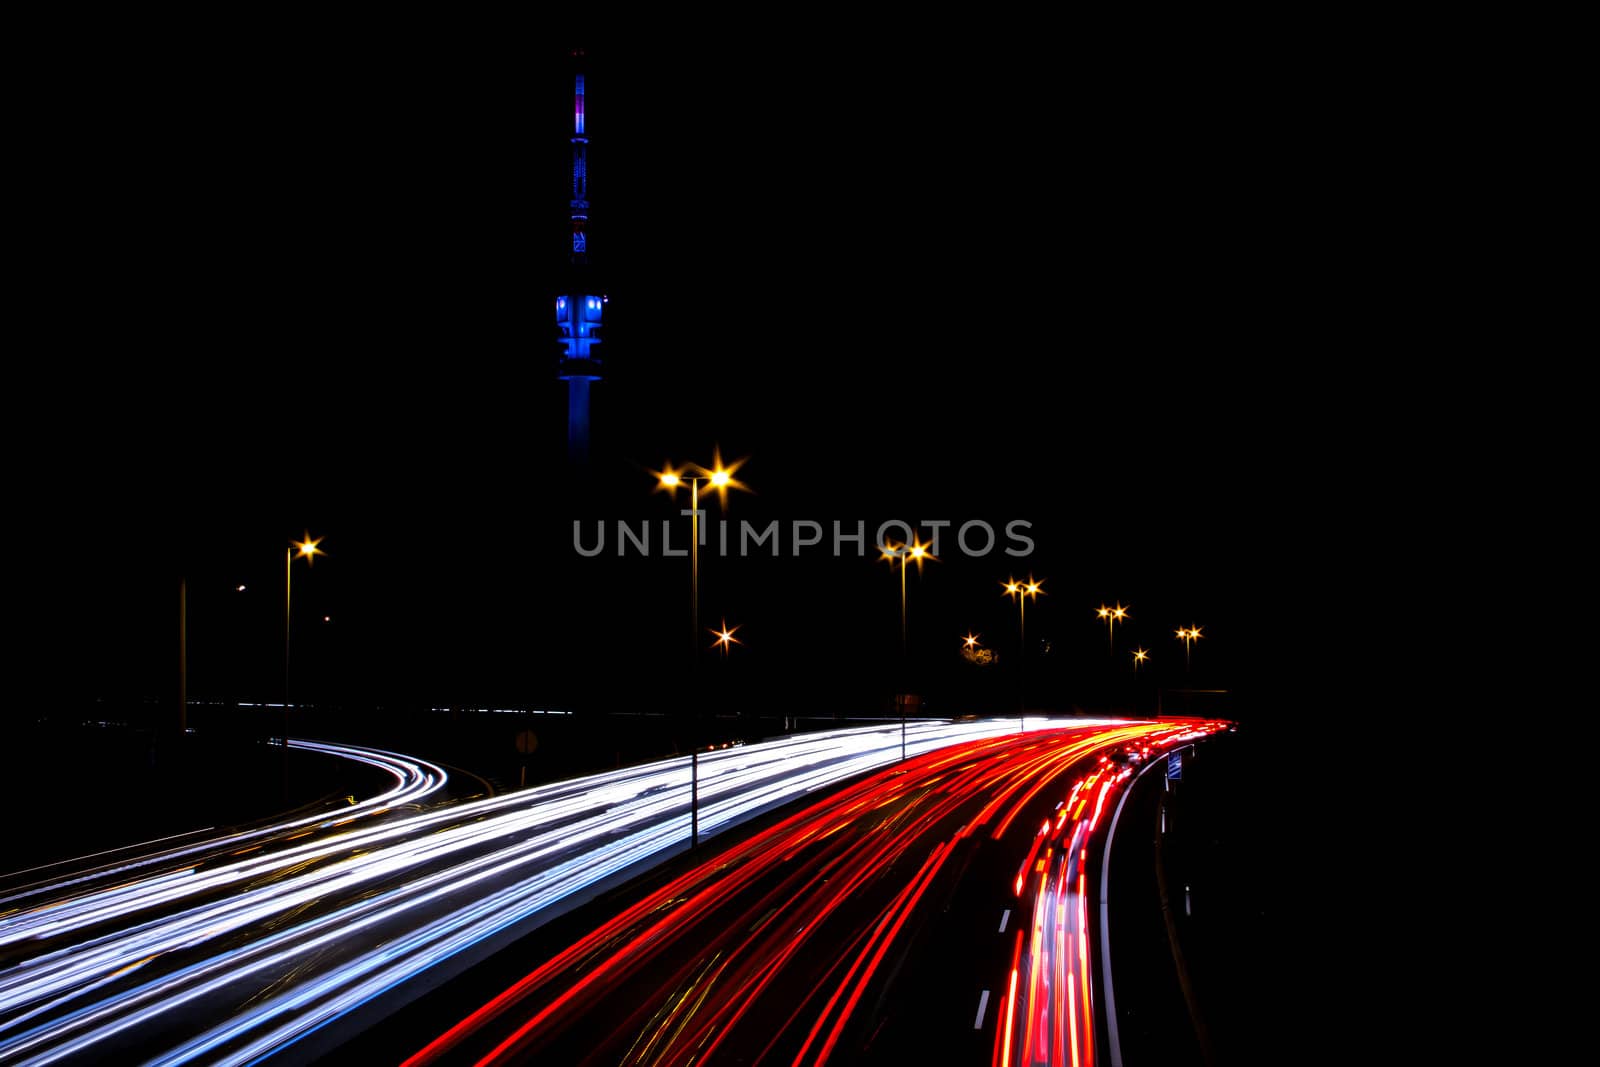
(1113,1038)
(1005,917)
(983,1004)
(107,852)
(582,832)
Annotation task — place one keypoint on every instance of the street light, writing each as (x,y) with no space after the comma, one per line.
(725,638)
(1139,657)
(915,552)
(1022,591)
(1112,616)
(307,550)
(720,478)
(1188,637)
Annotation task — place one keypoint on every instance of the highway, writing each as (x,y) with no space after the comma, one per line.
(944,908)
(108,873)
(229,949)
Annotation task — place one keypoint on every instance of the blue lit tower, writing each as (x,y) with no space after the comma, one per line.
(580,308)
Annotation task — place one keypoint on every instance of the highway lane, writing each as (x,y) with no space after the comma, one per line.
(232,957)
(870,924)
(108,873)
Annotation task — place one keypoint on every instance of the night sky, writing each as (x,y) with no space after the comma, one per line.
(1085,288)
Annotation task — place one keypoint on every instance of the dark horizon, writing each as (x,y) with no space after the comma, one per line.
(789,255)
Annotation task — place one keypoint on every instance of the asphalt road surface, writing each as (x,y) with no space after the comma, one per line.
(948,907)
(230,949)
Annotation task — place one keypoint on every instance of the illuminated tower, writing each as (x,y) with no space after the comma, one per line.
(580,308)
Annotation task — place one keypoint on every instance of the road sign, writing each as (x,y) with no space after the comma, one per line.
(1175,766)
(527,741)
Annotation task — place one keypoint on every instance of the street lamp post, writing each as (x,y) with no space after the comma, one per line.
(1112,616)
(1021,591)
(915,551)
(720,478)
(1188,637)
(306,549)
(723,640)
(183,655)
(1139,657)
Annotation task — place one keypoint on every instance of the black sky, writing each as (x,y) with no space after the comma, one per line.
(1099,290)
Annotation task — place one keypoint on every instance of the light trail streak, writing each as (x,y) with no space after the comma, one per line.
(1066,1001)
(415,780)
(828,890)
(267,947)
